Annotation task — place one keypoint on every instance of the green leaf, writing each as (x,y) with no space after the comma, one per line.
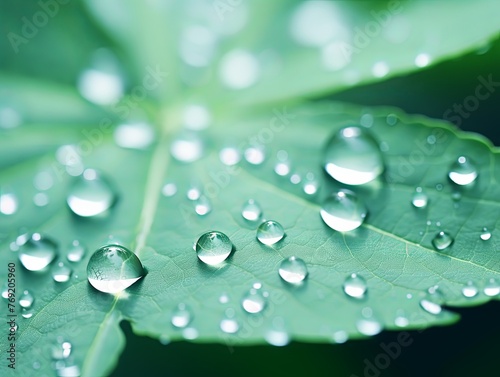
(340,44)
(392,250)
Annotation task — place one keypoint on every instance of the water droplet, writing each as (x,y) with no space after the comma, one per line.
(91,195)
(442,241)
(134,135)
(193,193)
(229,324)
(251,211)
(27,312)
(391,119)
(277,334)
(492,288)
(380,69)
(239,69)
(169,189)
(224,298)
(190,333)
(196,117)
(368,325)
(253,301)
(181,316)
(293,270)
(69,156)
(229,156)
(61,273)
(43,181)
(485,234)
(311,185)
(343,211)
(470,290)
(113,268)
(76,251)
(340,336)
(401,319)
(202,205)
(213,247)
(282,168)
(463,171)
(187,147)
(26,299)
(422,60)
(37,252)
(270,232)
(355,286)
(255,155)
(295,178)
(41,199)
(67,370)
(439,187)
(61,349)
(8,203)
(432,301)
(420,198)
(353,157)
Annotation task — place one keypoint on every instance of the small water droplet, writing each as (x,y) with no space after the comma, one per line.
(113,268)
(27,312)
(213,247)
(355,286)
(343,211)
(420,198)
(41,199)
(76,251)
(353,157)
(67,370)
(401,319)
(8,203)
(470,290)
(255,155)
(282,168)
(251,211)
(380,69)
(311,184)
(169,189)
(239,69)
(202,205)
(295,178)
(492,288)
(229,324)
(229,156)
(442,240)
(456,196)
(181,316)
(43,181)
(432,301)
(253,301)
(340,336)
(277,334)
(293,270)
(91,195)
(190,333)
(224,298)
(26,299)
(485,234)
(270,232)
(138,135)
(193,193)
(422,60)
(37,252)
(463,171)
(61,349)
(187,147)
(61,273)
(368,325)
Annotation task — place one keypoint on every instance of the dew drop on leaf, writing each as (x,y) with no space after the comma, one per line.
(169,189)
(251,210)
(76,251)
(277,335)
(113,268)
(91,195)
(8,203)
(202,205)
(26,299)
(485,234)
(41,199)
(229,324)
(181,316)
(355,286)
(253,301)
(229,156)
(340,336)
(187,147)
(442,241)
(61,273)
(470,290)
(419,198)
(343,211)
(463,171)
(492,288)
(60,349)
(293,270)
(138,135)
(255,155)
(368,324)
(432,301)
(270,232)
(27,312)
(213,247)
(37,252)
(239,69)
(401,319)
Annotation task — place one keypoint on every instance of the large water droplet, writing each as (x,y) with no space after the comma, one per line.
(353,157)
(213,247)
(470,290)
(26,299)
(293,270)
(134,135)
(463,171)
(492,288)
(420,198)
(61,273)
(343,211)
(37,252)
(202,205)
(270,232)
(442,240)
(113,268)
(76,251)
(432,301)
(181,316)
(355,286)
(61,349)
(91,195)
(8,203)
(251,210)
(485,234)
(253,301)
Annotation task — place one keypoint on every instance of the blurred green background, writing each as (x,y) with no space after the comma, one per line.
(465,349)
